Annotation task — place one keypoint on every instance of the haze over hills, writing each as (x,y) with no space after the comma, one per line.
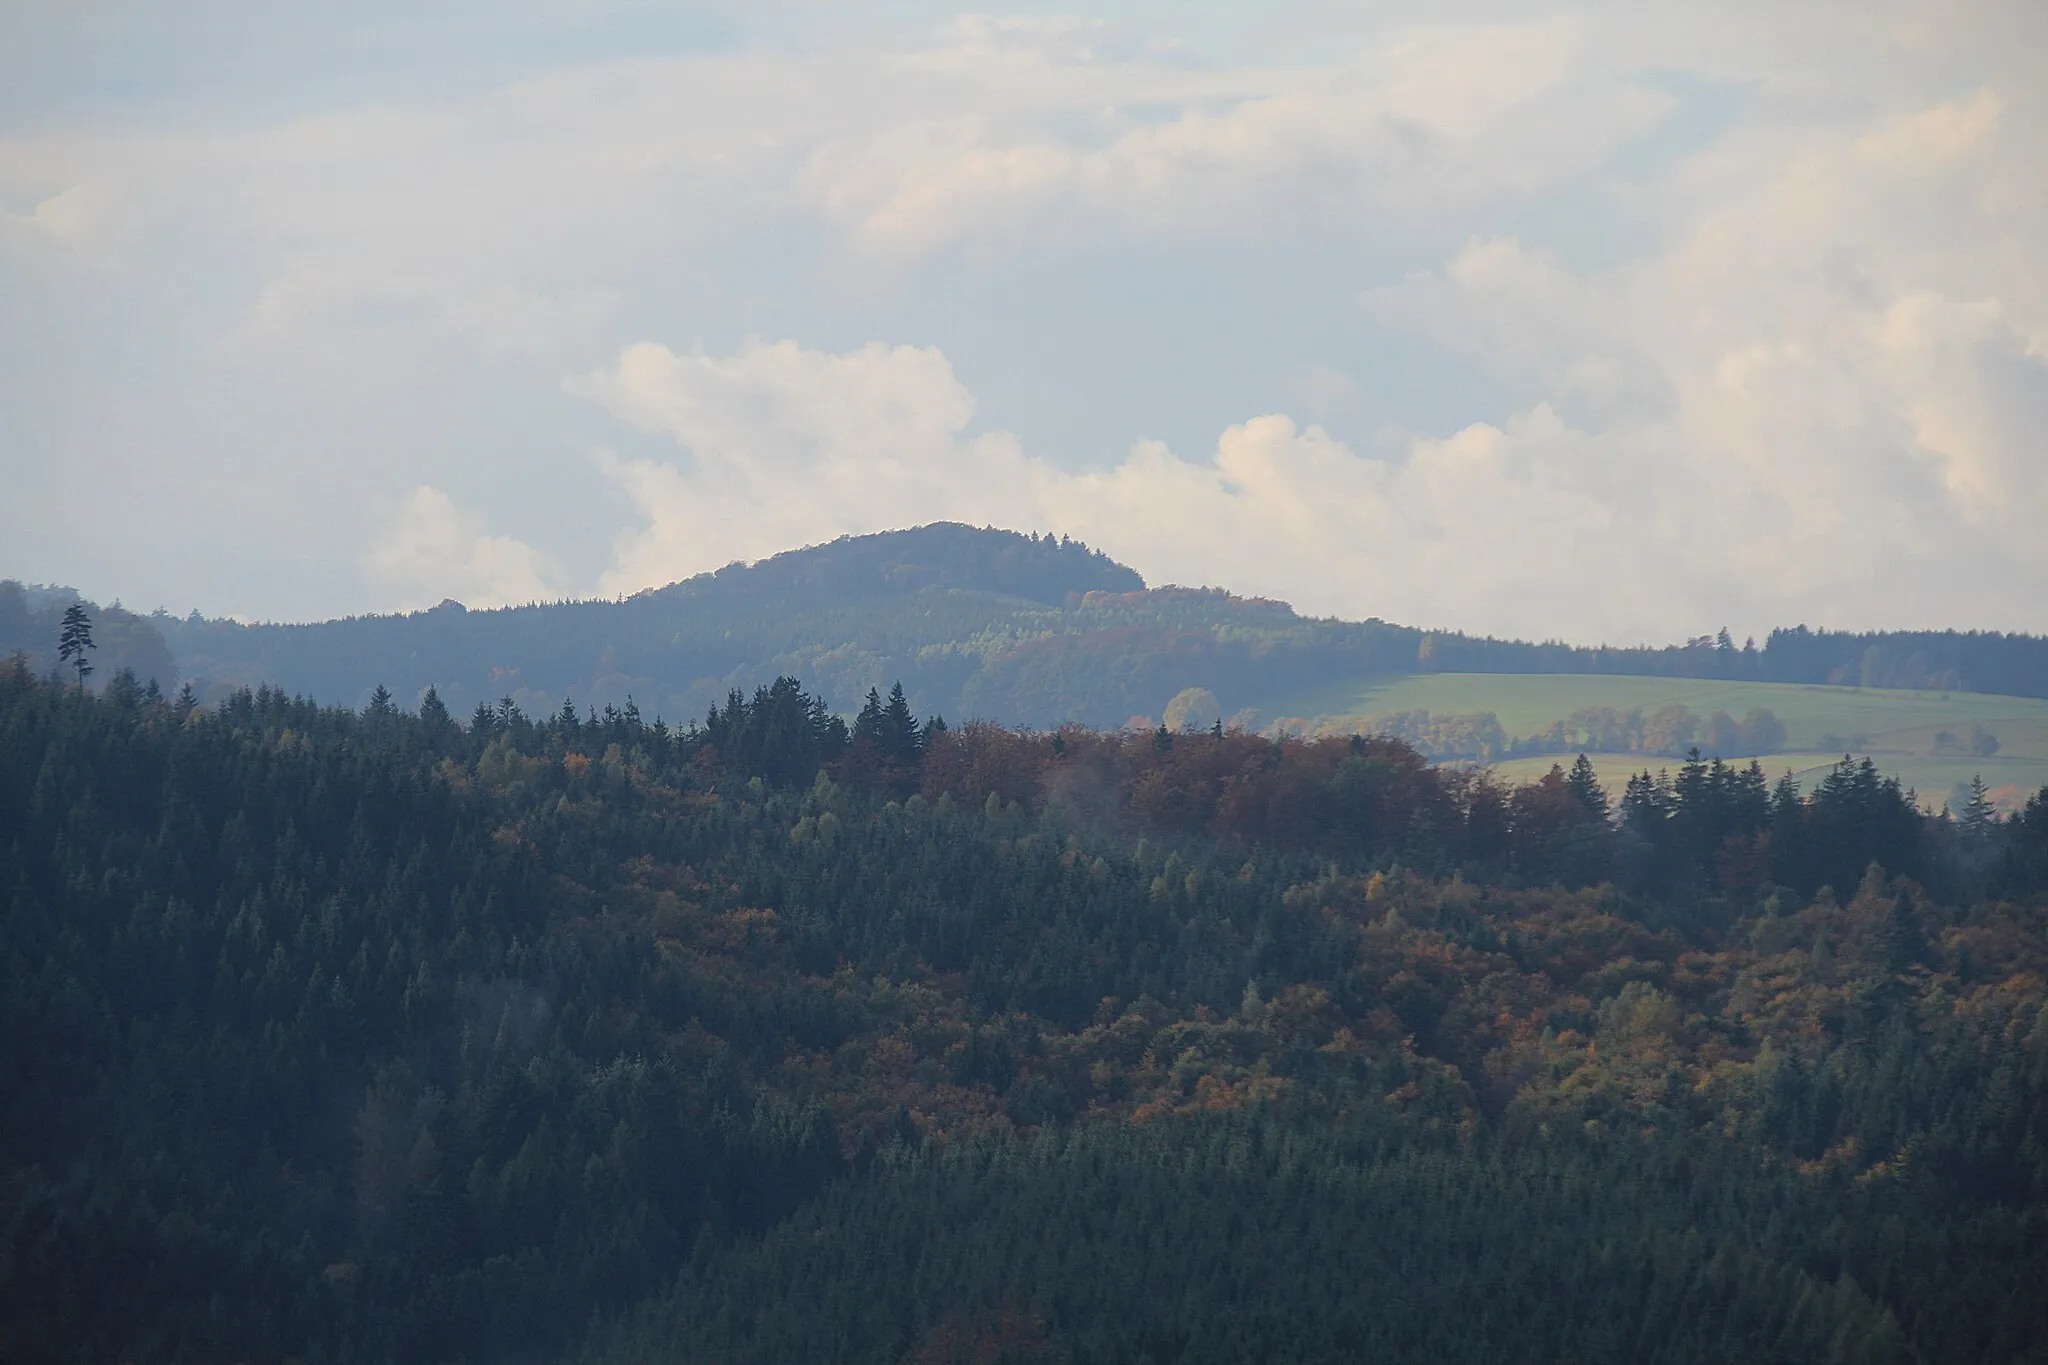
(1020,629)
(1261,921)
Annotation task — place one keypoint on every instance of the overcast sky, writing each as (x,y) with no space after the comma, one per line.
(1596,321)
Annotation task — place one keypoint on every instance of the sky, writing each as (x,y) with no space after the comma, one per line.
(1602,322)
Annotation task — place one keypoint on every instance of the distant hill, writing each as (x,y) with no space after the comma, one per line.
(1023,629)
(926,605)
(31,615)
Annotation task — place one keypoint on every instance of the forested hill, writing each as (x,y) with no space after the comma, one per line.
(929,605)
(31,619)
(1020,629)
(349,1038)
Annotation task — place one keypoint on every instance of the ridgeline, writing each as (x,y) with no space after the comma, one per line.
(1016,629)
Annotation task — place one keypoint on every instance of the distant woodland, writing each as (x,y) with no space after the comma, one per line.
(976,624)
(410,1032)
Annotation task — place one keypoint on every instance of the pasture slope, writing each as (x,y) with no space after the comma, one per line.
(1899,730)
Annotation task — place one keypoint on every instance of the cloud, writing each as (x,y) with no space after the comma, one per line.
(432,550)
(1875,477)
(1715,311)
(1849,407)
(984,131)
(68,217)
(790,446)
(1420,120)
(1490,527)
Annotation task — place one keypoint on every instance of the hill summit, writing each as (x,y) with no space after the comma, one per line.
(928,605)
(945,555)
(977,623)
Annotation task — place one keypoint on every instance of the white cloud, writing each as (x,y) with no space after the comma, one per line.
(1888,475)
(432,550)
(1849,406)
(1489,528)
(791,446)
(984,130)
(1420,120)
(70,217)
(1710,311)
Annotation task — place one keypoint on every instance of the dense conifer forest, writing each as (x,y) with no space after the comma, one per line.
(391,1034)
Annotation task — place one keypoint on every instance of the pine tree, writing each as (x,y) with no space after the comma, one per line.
(74,638)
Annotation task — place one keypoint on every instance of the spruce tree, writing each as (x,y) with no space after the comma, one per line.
(900,738)
(868,724)
(1979,817)
(434,717)
(1584,785)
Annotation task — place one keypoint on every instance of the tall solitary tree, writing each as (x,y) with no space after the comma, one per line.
(74,639)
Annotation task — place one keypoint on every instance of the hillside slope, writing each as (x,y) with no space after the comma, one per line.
(1021,629)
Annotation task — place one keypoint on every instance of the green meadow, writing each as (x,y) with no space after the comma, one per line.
(1897,729)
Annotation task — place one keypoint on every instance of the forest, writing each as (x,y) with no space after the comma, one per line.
(1023,629)
(392,1034)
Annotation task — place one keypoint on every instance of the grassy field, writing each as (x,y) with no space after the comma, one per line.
(1895,728)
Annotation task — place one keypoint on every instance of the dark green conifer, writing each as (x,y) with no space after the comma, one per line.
(74,638)
(1584,785)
